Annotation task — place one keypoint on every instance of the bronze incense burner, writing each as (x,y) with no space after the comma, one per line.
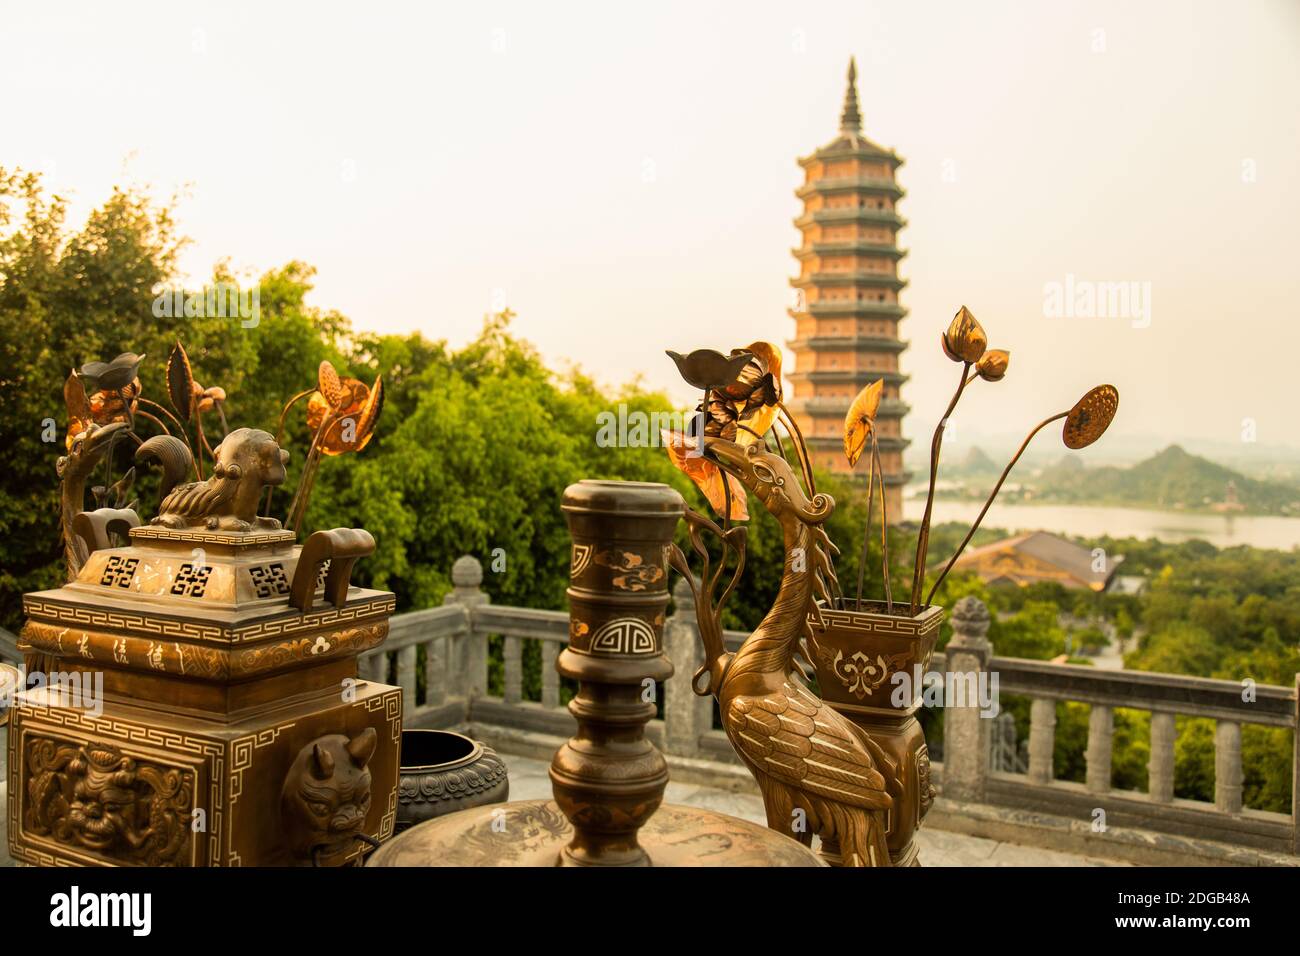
(192,692)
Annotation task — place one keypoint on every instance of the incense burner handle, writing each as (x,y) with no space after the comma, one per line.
(341,548)
(94,529)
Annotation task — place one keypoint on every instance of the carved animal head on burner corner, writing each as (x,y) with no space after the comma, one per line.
(326,796)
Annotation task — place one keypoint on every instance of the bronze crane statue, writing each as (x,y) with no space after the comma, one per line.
(818,772)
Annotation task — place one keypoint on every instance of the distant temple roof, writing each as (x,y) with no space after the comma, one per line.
(1038,556)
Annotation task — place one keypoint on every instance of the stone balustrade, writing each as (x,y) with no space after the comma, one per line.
(974,798)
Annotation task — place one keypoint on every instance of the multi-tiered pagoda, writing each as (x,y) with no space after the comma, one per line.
(847,313)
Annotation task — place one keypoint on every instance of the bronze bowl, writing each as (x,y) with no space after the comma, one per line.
(442,772)
(857,653)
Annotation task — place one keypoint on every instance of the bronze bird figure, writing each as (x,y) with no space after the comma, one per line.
(818,772)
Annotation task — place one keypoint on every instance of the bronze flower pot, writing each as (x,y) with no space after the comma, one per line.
(856,655)
(442,772)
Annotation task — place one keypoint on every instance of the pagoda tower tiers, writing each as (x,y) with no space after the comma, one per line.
(847,311)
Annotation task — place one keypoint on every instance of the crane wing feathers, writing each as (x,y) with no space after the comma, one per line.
(790,737)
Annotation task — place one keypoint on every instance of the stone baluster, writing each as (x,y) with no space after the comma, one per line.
(1227,766)
(467,656)
(967,740)
(435,672)
(1042,740)
(406,666)
(686,715)
(374,667)
(1101,730)
(550,676)
(1160,765)
(512,656)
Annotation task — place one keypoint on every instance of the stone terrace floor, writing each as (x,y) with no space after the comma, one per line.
(529,781)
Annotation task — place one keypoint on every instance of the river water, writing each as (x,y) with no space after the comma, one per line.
(1223,531)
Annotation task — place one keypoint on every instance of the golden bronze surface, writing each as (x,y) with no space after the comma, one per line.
(536,833)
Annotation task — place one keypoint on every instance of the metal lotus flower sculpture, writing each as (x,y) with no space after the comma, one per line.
(105,401)
(112,376)
(964,341)
(724,492)
(341,414)
(992,365)
(101,393)
(859,429)
(743,402)
(756,392)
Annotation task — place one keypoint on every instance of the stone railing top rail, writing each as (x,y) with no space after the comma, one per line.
(1142,690)
(1147,690)
(417,627)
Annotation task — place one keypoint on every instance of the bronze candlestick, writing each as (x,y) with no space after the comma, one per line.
(608,780)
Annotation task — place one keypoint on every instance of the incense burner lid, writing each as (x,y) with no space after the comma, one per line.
(213,605)
(231,572)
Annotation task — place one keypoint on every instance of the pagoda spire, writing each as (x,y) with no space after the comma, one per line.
(851,118)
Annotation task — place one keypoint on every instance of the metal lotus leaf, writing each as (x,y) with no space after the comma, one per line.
(861,420)
(992,366)
(1090,417)
(965,340)
(349,417)
(110,376)
(707,368)
(180,382)
(706,475)
(96,408)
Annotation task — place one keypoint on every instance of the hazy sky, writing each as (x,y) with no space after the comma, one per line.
(622,175)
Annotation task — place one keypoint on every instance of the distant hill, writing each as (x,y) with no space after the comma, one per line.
(977,462)
(1171,479)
